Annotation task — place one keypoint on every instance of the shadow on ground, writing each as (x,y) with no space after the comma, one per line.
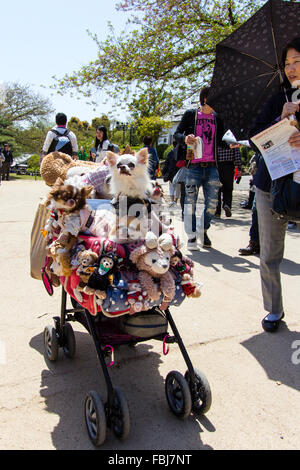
(64,385)
(278,354)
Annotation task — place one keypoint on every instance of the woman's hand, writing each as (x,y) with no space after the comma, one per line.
(289,109)
(294,140)
(190,139)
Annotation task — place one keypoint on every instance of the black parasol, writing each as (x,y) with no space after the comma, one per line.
(247,68)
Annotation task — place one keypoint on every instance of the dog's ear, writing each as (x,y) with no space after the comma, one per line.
(142,156)
(111,158)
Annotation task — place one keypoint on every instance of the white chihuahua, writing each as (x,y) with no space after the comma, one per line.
(129,175)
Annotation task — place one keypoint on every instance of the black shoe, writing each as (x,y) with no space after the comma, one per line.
(227,210)
(252,249)
(206,241)
(271,326)
(217,214)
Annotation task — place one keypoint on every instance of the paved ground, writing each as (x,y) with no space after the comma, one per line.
(254,376)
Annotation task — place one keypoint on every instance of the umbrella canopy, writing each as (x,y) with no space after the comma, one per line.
(247,68)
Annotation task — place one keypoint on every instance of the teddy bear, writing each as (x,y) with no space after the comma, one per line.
(79,173)
(153,261)
(136,297)
(183,266)
(60,165)
(86,260)
(102,277)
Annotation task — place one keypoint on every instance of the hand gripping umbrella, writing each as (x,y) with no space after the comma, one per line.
(247,69)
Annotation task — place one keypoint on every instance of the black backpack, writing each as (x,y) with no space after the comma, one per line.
(61,143)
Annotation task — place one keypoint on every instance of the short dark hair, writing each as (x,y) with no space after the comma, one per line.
(204,94)
(147,140)
(61,119)
(293,44)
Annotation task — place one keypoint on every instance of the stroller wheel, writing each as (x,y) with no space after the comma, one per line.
(178,394)
(201,395)
(51,343)
(95,418)
(69,341)
(119,415)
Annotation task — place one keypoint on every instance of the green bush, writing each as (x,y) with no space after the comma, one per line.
(161,148)
(34,163)
(167,150)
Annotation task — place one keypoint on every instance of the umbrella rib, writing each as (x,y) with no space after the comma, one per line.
(252,57)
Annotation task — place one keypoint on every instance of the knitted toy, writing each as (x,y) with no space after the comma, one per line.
(153,261)
(183,266)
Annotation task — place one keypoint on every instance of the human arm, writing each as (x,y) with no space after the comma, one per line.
(186,127)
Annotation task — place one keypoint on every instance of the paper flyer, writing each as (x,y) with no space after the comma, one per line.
(280,158)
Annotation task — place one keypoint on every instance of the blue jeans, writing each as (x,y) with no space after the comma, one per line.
(196,177)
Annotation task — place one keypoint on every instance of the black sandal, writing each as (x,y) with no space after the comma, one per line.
(271,326)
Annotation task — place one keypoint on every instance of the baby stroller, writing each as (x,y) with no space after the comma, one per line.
(110,326)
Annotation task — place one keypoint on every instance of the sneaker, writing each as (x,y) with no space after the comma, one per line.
(227,210)
(292,225)
(172,204)
(206,241)
(192,244)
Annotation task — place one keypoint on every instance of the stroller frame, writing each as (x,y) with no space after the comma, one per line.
(184,394)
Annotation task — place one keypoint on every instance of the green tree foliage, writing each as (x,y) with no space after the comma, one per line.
(152,126)
(23,106)
(34,163)
(101,121)
(168,44)
(22,118)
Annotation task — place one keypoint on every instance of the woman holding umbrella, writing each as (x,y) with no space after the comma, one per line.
(272,230)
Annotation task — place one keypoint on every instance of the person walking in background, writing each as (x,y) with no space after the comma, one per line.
(228,159)
(203,172)
(168,172)
(2,159)
(101,144)
(60,139)
(272,230)
(153,161)
(8,161)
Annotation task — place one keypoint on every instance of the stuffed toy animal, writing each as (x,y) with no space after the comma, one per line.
(60,165)
(183,266)
(102,277)
(136,297)
(87,260)
(153,261)
(78,173)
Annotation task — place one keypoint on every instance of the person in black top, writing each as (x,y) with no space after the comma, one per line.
(7,162)
(203,171)
(272,230)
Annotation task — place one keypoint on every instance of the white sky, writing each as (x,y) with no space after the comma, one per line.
(42,38)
